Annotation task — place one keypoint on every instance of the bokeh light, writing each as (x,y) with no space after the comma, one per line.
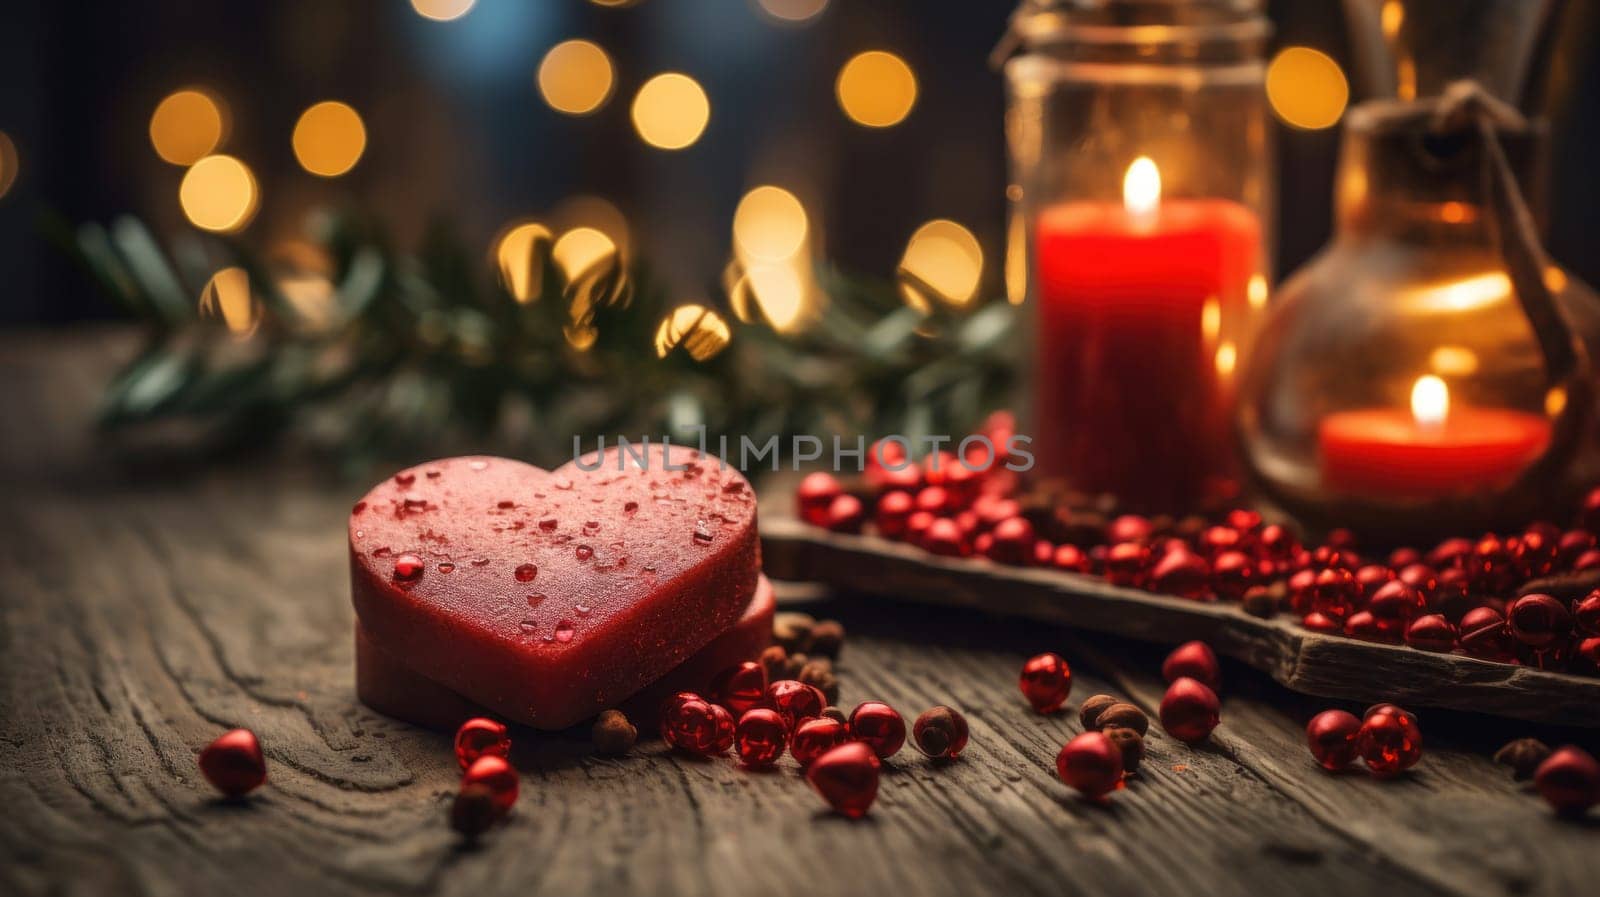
(329,139)
(187,126)
(942,258)
(219,194)
(599,213)
(671,111)
(519,255)
(769,224)
(1306,88)
(227,298)
(876,89)
(699,330)
(442,10)
(580,250)
(576,77)
(778,293)
(793,11)
(1017,259)
(9,163)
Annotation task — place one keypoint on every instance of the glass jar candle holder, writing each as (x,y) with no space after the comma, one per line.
(1140,203)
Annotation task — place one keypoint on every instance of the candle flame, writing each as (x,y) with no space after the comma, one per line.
(1430,401)
(1141,187)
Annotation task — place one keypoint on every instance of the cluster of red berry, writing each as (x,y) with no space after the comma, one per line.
(1098,761)
(489,782)
(1465,595)
(1386,738)
(840,754)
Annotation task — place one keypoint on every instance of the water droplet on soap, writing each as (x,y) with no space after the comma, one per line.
(562,483)
(405,479)
(361,534)
(382,551)
(528,625)
(526,573)
(478,465)
(535,599)
(505,503)
(702,531)
(360,506)
(433,473)
(565,631)
(591,526)
(407,567)
(548,524)
(582,609)
(584,552)
(413,500)
(446,567)
(631,507)
(480,562)
(650,568)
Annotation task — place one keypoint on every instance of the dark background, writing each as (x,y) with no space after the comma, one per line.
(456,126)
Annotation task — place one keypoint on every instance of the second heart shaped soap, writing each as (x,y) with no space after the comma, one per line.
(549,596)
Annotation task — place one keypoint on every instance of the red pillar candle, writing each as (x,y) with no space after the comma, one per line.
(1133,366)
(1430,450)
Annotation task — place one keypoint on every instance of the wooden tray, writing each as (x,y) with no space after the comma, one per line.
(1313,663)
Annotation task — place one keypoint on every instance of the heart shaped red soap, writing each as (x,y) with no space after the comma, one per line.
(549,596)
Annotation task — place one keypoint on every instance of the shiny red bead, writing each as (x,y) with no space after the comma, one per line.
(1183,573)
(698,727)
(1363,626)
(480,737)
(1586,614)
(1401,558)
(1277,544)
(498,776)
(1371,576)
(1536,552)
(1317,621)
(1395,604)
(1571,545)
(760,737)
(1129,528)
(1127,564)
(795,701)
(1569,779)
(847,778)
(933,499)
(1070,558)
(945,538)
(845,515)
(1214,540)
(1389,741)
(1044,552)
(1539,620)
(1450,553)
(878,726)
(1189,710)
(1431,632)
(739,688)
(233,764)
(1195,660)
(1012,541)
(917,526)
(815,737)
(1091,763)
(940,732)
(1046,681)
(1335,593)
(815,494)
(893,513)
(1331,736)
(992,509)
(1484,635)
(1589,511)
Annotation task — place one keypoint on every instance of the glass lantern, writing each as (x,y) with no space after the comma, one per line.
(1427,371)
(1139,236)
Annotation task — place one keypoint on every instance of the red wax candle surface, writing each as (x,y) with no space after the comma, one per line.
(547,597)
(1126,384)
(1386,452)
(388,685)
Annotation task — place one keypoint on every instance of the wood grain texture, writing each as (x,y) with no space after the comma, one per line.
(1312,663)
(143,610)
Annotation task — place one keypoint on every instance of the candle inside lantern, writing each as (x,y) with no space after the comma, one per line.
(1141,305)
(1430,450)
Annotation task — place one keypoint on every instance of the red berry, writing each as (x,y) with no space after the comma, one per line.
(1539,620)
(1370,577)
(940,732)
(1195,660)
(698,727)
(739,688)
(815,737)
(944,537)
(1189,711)
(480,737)
(1046,681)
(1071,559)
(847,778)
(1013,541)
(1431,632)
(1484,635)
(1127,564)
(497,775)
(917,526)
(1364,626)
(1183,573)
(1044,552)
(760,737)
(1572,544)
(893,513)
(992,510)
(1334,592)
(845,515)
(1091,763)
(795,701)
(1317,621)
(233,763)
(1331,735)
(1129,528)
(1569,779)
(814,494)
(1586,614)
(878,726)
(1232,572)
(1389,741)
(933,499)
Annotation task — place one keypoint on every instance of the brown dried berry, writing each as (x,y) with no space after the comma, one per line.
(819,673)
(796,663)
(792,630)
(1259,601)
(473,811)
(1130,742)
(1092,707)
(836,714)
(827,639)
(613,734)
(1523,756)
(940,732)
(775,660)
(1122,715)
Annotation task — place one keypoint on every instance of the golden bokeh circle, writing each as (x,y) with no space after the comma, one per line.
(769,224)
(519,256)
(187,126)
(1306,88)
(671,111)
(793,12)
(329,139)
(876,89)
(442,10)
(576,77)
(219,194)
(698,330)
(943,258)
(227,298)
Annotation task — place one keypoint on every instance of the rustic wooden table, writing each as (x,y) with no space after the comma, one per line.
(145,610)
